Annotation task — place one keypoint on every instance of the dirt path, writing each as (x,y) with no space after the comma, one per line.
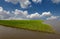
(13,33)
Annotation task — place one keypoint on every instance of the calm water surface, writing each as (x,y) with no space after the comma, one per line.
(13,33)
(55,24)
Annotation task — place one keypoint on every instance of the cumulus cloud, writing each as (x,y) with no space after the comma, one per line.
(39,16)
(4,14)
(46,14)
(56,1)
(27,3)
(1,9)
(23,3)
(53,18)
(34,16)
(19,14)
(23,15)
(37,1)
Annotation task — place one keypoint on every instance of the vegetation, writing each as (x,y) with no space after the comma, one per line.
(35,25)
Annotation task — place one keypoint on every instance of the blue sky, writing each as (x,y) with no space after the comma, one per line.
(52,6)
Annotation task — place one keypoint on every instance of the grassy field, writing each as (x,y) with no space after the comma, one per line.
(35,25)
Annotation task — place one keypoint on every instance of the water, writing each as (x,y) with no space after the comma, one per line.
(55,24)
(13,33)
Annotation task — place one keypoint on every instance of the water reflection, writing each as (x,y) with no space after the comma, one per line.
(13,33)
(55,24)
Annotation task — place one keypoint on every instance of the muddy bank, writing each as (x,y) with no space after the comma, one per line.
(13,33)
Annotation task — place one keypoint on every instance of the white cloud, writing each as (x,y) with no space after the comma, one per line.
(23,3)
(1,9)
(53,18)
(37,1)
(34,16)
(20,13)
(39,16)
(23,15)
(4,14)
(46,14)
(56,1)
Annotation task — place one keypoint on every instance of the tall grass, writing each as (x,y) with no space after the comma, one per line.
(36,25)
